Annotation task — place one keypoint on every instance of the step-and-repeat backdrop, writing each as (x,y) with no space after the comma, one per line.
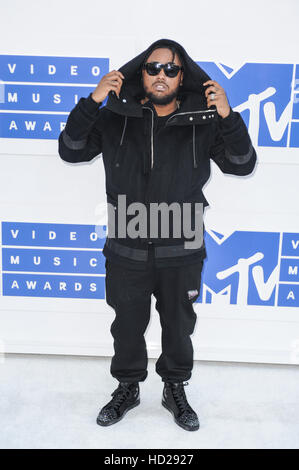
(52,297)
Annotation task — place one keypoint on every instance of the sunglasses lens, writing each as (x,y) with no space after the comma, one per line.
(152,68)
(171,70)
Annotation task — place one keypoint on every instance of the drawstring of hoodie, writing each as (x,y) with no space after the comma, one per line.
(146,160)
(121,142)
(123,132)
(117,164)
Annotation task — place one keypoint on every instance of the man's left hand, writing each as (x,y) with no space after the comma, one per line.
(220,101)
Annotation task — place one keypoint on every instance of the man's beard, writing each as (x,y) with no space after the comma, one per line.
(162,100)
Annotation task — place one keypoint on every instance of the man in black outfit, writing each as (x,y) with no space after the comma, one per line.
(163,121)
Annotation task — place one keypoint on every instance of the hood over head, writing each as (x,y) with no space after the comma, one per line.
(191,93)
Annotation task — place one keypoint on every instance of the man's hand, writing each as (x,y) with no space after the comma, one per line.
(220,101)
(110,81)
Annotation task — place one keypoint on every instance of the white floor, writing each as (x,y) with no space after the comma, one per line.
(52,402)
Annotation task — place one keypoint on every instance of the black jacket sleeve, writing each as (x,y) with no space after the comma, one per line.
(232,149)
(81,139)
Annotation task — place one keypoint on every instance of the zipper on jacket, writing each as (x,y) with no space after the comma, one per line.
(194,157)
(152,163)
(152,137)
(177,114)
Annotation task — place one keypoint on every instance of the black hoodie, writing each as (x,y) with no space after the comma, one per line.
(171,166)
(132,89)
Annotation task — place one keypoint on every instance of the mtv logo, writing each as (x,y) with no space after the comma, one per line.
(266,95)
(242,268)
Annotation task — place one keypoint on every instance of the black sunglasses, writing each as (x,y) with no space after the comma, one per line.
(170,69)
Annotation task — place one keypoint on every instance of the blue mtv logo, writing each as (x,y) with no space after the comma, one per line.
(241,269)
(267,97)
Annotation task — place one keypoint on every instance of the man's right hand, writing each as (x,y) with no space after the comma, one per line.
(110,81)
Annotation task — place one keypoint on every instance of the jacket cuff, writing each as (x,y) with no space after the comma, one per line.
(227,118)
(91,105)
(227,122)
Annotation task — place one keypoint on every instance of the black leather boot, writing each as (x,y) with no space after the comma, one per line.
(125,397)
(174,400)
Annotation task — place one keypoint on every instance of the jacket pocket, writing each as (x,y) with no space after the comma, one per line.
(119,170)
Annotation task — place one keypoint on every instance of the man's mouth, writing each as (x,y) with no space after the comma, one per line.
(160,86)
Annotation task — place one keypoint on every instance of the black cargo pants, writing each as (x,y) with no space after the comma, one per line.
(129,291)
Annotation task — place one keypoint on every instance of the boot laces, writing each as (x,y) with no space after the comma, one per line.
(180,396)
(120,395)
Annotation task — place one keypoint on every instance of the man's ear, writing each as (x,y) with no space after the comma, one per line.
(182,76)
